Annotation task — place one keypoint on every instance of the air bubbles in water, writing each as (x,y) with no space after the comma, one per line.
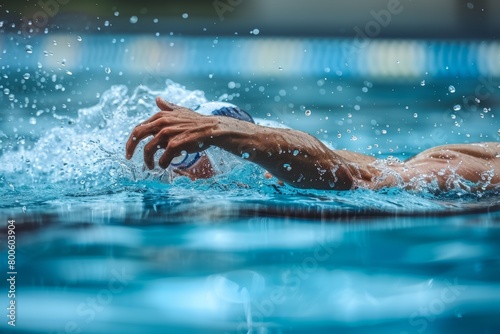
(457,107)
(185,15)
(415,115)
(134,19)
(422,83)
(245,155)
(451,89)
(255,32)
(26,76)
(295,153)
(287,167)
(107,70)
(29,49)
(79,38)
(308,112)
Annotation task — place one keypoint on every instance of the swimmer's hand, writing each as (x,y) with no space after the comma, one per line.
(174,129)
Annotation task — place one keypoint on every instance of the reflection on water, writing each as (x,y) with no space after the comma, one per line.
(104,267)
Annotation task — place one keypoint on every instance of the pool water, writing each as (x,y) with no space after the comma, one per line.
(106,246)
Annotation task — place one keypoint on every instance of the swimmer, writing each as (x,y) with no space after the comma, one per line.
(300,159)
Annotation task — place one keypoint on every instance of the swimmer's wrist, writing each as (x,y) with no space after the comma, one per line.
(229,134)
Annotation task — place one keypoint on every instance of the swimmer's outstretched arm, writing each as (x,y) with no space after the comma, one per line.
(293,156)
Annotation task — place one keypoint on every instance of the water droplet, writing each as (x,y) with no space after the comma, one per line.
(26,76)
(107,70)
(308,112)
(134,138)
(79,38)
(339,135)
(255,31)
(415,115)
(185,15)
(29,49)
(384,132)
(295,153)
(453,116)
(287,167)
(422,83)
(268,114)
(457,107)
(32,120)
(451,89)
(69,73)
(245,155)
(280,68)
(134,19)
(354,138)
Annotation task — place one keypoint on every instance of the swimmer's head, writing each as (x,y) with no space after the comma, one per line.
(185,161)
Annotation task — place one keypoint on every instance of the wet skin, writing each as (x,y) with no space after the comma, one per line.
(303,161)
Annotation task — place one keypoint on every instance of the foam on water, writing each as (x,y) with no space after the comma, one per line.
(85,157)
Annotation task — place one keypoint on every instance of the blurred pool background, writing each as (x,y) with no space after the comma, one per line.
(103,247)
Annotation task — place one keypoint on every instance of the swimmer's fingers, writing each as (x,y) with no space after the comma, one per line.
(152,147)
(170,140)
(174,148)
(143,131)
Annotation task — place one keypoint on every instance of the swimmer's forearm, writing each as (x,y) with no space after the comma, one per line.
(293,156)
